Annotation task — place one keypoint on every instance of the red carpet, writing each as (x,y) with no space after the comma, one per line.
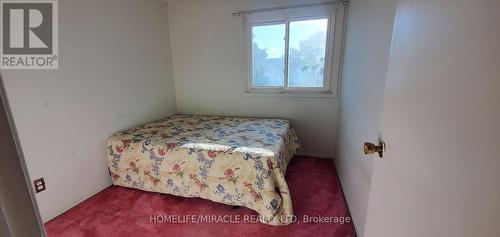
(122,212)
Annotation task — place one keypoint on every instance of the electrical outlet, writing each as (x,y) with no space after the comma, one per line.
(39,185)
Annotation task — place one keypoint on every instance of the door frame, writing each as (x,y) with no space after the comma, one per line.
(22,161)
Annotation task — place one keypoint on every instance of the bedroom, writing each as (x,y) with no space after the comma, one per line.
(252,118)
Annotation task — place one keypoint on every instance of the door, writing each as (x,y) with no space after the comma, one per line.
(440,176)
(366,55)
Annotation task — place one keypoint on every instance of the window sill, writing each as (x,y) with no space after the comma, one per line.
(323,94)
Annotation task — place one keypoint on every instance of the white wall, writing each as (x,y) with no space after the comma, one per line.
(209,71)
(114,72)
(369,31)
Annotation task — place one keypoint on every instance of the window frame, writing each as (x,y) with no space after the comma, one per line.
(333,49)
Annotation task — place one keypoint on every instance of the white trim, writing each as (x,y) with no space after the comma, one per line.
(286,57)
(338,48)
(333,51)
(299,94)
(20,156)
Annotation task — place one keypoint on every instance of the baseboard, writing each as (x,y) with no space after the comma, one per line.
(316,155)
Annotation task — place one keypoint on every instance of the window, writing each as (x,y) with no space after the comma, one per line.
(294,50)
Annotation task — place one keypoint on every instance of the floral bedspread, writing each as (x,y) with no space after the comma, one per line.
(236,161)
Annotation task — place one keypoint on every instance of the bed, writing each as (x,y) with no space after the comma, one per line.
(236,161)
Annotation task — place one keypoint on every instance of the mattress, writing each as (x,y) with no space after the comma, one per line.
(236,161)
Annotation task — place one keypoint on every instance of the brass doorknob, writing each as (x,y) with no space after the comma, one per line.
(370,148)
